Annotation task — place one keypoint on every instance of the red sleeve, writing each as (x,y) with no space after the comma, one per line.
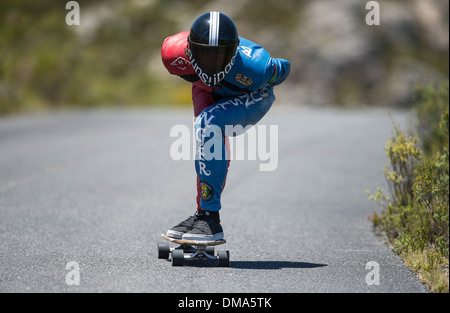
(174,57)
(175,60)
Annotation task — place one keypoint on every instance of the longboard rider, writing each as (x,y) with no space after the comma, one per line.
(232,85)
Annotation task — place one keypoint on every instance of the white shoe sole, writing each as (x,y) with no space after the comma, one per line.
(174,234)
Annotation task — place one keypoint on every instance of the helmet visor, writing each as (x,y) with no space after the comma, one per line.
(212,63)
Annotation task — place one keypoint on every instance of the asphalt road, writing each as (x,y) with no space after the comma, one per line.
(97,188)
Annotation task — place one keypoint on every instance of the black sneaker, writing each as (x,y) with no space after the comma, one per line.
(206,228)
(180,229)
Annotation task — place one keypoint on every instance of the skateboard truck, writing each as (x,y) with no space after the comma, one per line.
(189,250)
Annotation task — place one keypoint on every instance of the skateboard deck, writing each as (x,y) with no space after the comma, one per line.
(194,242)
(193,249)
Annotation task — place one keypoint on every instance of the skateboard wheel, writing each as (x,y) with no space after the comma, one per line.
(223,258)
(177,258)
(210,250)
(163,251)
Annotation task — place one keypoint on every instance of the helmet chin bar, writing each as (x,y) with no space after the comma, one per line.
(214,79)
(211,79)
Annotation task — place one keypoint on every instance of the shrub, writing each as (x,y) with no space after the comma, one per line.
(416,215)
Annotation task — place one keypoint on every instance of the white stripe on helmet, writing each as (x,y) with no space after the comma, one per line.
(214,18)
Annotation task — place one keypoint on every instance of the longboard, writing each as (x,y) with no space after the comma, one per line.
(197,249)
(194,242)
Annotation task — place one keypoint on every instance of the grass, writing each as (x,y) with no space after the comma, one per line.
(430,267)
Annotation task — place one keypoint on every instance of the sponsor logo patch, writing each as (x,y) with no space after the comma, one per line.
(180,63)
(244,80)
(206,191)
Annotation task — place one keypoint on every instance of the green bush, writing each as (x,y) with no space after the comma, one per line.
(416,215)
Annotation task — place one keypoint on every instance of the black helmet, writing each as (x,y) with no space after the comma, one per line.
(212,46)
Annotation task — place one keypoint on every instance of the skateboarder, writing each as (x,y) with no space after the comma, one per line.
(232,85)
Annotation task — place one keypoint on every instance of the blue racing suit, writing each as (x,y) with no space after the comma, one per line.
(240,100)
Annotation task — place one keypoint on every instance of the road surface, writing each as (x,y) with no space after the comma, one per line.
(84,197)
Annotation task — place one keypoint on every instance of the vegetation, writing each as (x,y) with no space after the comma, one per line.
(46,63)
(416,215)
(113,57)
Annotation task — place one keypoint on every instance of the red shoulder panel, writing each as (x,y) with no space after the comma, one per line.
(173,55)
